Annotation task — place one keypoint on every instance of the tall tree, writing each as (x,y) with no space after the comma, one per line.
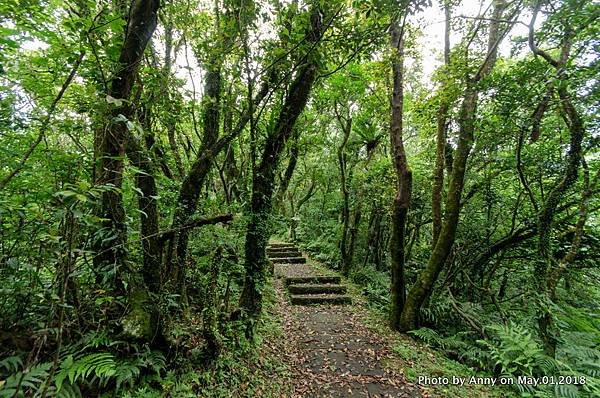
(440,139)
(402,197)
(345,248)
(576,128)
(418,293)
(258,229)
(111,250)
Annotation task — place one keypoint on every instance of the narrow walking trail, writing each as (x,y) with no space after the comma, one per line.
(332,352)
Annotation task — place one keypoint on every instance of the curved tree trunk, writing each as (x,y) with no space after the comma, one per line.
(423,287)
(258,229)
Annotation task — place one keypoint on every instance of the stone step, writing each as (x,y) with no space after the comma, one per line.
(285,254)
(279,253)
(276,245)
(281,249)
(289,260)
(305,288)
(305,299)
(312,279)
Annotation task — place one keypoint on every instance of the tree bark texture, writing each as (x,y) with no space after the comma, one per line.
(111,251)
(543,272)
(402,199)
(441,132)
(341,155)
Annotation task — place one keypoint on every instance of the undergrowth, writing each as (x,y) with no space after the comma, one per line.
(98,366)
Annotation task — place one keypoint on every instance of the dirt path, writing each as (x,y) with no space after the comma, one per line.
(331,353)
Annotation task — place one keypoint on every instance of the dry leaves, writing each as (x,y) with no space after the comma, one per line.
(331,353)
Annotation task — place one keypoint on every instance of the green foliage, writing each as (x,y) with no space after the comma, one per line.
(375,286)
(30,379)
(90,371)
(101,366)
(53,213)
(516,352)
(429,336)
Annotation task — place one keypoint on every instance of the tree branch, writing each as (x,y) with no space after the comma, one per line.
(198,222)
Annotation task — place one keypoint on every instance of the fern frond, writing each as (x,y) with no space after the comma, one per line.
(566,391)
(28,379)
(429,336)
(100,365)
(590,368)
(127,373)
(11,364)
(67,390)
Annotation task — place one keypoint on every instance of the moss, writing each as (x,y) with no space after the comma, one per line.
(139,323)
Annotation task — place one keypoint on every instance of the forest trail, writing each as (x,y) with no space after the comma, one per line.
(331,351)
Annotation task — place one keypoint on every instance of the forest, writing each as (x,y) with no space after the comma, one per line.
(439,158)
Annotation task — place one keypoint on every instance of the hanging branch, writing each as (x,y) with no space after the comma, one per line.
(197,222)
(464,315)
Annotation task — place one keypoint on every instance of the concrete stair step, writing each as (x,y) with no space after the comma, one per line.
(285,254)
(289,260)
(306,299)
(280,245)
(282,248)
(315,279)
(305,288)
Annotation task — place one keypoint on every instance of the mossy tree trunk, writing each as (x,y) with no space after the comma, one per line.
(259,228)
(194,181)
(293,151)
(111,252)
(149,216)
(402,199)
(346,124)
(544,272)
(423,286)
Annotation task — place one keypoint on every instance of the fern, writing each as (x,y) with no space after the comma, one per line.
(546,364)
(127,373)
(590,368)
(437,311)
(429,336)
(566,391)
(67,390)
(11,364)
(515,350)
(475,355)
(154,360)
(30,379)
(100,365)
(104,368)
